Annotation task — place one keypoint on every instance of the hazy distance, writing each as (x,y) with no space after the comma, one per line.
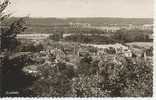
(82,8)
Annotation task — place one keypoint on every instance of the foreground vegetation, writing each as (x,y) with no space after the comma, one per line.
(51,68)
(55,69)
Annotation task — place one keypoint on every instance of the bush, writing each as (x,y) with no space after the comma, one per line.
(13,78)
(94,78)
(90,39)
(55,80)
(87,86)
(123,80)
(29,46)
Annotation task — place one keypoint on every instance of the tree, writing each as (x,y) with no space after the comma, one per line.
(8,33)
(3,6)
(9,40)
(10,68)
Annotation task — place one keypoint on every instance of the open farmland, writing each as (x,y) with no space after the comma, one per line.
(50,25)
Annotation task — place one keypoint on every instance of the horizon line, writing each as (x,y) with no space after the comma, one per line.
(84,17)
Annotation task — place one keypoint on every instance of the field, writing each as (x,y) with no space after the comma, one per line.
(52,25)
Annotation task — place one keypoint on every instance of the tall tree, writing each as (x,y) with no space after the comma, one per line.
(8,34)
(3,6)
(9,40)
(8,43)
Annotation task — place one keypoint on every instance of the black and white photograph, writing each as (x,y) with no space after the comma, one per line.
(76,48)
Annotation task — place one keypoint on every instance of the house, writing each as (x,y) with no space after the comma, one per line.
(34,36)
(128,53)
(151,36)
(83,52)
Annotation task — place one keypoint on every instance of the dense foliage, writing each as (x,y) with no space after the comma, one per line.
(95,39)
(11,74)
(89,75)
(132,35)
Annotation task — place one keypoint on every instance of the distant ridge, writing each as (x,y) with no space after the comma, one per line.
(96,21)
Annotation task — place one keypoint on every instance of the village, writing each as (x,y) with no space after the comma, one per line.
(77,51)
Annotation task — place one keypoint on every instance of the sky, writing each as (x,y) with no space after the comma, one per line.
(82,8)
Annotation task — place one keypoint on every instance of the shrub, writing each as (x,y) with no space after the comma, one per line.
(29,46)
(55,80)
